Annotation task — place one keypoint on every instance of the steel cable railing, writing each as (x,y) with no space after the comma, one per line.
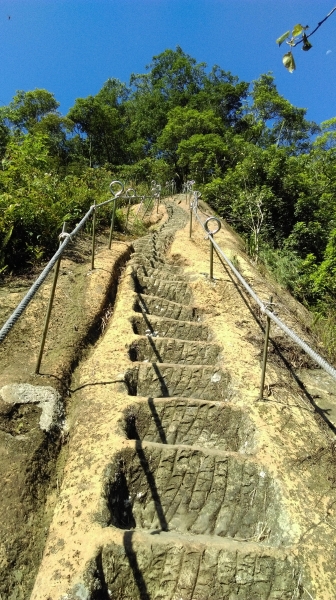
(66,238)
(263,307)
(42,277)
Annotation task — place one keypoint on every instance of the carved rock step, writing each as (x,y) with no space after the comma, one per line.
(167,567)
(149,251)
(162,327)
(174,488)
(177,291)
(143,261)
(167,350)
(153,305)
(147,261)
(165,272)
(189,422)
(172,269)
(148,244)
(164,380)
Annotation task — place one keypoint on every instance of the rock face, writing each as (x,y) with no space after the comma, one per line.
(46,398)
(167,494)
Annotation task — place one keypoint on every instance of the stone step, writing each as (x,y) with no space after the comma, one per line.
(174,488)
(190,422)
(161,307)
(165,272)
(167,380)
(177,291)
(171,350)
(147,261)
(162,327)
(167,566)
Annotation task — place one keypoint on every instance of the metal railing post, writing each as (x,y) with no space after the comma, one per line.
(127,194)
(211,255)
(49,309)
(93,237)
(264,362)
(210,235)
(112,223)
(127,215)
(191,213)
(116,195)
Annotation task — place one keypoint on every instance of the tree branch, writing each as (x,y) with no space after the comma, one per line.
(316,28)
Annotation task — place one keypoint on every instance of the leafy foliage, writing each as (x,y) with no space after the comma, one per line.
(297,37)
(35,200)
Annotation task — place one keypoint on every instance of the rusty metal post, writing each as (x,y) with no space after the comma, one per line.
(127,215)
(191,213)
(112,223)
(211,255)
(49,309)
(158,191)
(264,362)
(210,233)
(93,237)
(116,196)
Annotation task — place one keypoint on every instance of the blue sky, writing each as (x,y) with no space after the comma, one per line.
(71,47)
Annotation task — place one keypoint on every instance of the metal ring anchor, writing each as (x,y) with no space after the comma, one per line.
(209,237)
(119,192)
(215,230)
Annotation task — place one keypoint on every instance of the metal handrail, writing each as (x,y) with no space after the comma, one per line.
(265,309)
(65,239)
(171,187)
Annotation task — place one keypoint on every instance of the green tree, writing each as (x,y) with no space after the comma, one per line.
(177,76)
(28,108)
(224,94)
(183,123)
(98,122)
(203,156)
(280,122)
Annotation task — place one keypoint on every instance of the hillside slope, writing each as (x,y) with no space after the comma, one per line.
(179,483)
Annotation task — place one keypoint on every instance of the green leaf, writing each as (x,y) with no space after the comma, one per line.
(299,29)
(306,43)
(282,38)
(288,61)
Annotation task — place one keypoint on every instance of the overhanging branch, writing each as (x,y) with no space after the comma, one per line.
(300,41)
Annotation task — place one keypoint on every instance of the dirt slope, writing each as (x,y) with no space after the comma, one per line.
(179,483)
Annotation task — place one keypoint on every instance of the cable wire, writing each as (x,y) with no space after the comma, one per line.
(263,307)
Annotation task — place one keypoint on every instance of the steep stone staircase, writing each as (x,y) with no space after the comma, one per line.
(168,492)
(201,519)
